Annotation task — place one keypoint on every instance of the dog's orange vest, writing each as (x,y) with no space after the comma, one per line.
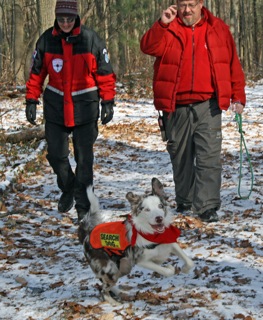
(112,237)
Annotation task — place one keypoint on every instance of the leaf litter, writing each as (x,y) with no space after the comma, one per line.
(43,271)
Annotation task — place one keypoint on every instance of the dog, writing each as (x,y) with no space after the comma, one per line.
(145,238)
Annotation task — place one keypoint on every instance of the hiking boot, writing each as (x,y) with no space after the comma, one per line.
(209,215)
(66,202)
(183,207)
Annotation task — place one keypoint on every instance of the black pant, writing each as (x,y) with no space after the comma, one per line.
(84,137)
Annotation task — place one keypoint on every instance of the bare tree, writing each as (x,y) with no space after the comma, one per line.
(18,41)
(121,24)
(46,10)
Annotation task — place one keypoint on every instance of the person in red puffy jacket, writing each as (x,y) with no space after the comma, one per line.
(197,74)
(80,77)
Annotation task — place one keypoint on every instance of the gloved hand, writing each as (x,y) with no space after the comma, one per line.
(106,111)
(31,107)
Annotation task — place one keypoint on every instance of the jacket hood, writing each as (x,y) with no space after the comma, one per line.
(211,19)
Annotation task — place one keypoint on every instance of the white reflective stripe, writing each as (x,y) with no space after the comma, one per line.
(75,93)
(55,90)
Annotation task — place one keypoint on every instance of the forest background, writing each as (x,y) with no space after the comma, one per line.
(43,273)
(121,23)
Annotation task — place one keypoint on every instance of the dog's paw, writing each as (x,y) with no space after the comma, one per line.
(111,297)
(112,301)
(171,268)
(169,271)
(187,266)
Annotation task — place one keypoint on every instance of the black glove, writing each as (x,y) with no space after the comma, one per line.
(31,107)
(106,111)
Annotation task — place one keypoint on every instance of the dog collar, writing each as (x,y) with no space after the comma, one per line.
(169,235)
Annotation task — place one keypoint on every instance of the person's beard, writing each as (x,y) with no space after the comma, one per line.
(189,20)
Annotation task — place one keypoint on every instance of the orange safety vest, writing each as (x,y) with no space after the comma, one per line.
(112,237)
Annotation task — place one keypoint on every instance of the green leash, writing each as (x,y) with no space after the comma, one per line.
(238,119)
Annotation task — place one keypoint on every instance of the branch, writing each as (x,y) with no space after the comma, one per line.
(2,114)
(37,133)
(87,13)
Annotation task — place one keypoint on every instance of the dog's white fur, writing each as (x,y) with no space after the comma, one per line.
(150,214)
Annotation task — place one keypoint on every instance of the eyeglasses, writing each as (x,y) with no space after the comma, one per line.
(65,20)
(191,6)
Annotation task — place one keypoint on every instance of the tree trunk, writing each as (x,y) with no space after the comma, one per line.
(121,24)
(47,14)
(19,44)
(1,41)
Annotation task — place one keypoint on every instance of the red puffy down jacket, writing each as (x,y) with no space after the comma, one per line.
(167,45)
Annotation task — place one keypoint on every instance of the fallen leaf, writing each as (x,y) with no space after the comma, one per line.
(117,205)
(3,256)
(56,284)
(215,295)
(2,207)
(239,316)
(240,280)
(108,316)
(22,281)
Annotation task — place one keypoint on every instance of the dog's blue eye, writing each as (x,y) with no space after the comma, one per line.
(161,206)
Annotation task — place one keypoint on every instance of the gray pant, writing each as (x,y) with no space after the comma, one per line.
(194,144)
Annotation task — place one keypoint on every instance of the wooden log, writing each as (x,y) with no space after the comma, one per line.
(37,133)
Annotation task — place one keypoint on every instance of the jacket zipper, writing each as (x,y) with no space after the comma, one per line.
(173,104)
(212,67)
(193,59)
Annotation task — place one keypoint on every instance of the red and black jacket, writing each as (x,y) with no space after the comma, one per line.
(80,74)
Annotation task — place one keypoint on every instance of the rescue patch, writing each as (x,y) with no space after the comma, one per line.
(33,58)
(111,235)
(34,54)
(57,64)
(106,55)
(110,240)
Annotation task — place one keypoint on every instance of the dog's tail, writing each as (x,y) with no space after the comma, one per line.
(92,217)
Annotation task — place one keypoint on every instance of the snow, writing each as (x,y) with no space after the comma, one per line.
(43,271)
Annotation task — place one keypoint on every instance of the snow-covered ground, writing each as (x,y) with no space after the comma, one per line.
(43,271)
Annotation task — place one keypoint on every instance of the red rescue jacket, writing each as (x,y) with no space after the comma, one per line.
(80,74)
(167,44)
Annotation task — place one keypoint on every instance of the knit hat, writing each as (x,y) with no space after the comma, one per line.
(66,8)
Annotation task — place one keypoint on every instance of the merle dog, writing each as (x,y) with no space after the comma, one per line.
(146,238)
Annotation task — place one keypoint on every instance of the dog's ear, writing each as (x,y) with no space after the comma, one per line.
(157,188)
(133,198)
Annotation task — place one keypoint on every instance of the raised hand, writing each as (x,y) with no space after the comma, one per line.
(169,14)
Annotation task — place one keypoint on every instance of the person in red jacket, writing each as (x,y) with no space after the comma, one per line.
(80,77)
(197,74)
